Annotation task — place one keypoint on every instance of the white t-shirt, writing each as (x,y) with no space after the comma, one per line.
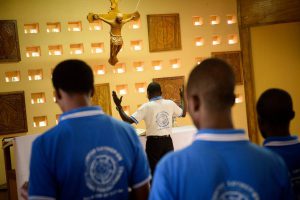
(158,114)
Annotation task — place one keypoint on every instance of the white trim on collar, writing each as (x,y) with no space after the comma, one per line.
(282,143)
(220,137)
(82,114)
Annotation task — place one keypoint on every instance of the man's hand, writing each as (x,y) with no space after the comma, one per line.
(117,100)
(24,191)
(90,17)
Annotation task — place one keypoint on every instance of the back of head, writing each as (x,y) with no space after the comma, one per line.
(275,107)
(73,76)
(154,89)
(213,80)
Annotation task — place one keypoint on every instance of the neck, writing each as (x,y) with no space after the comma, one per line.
(216,120)
(279,132)
(75,102)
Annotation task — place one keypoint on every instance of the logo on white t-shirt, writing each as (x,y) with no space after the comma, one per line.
(234,190)
(162,119)
(103,169)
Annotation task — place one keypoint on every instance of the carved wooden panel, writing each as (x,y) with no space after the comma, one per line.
(258,12)
(234,59)
(170,87)
(164,32)
(13,113)
(9,41)
(102,97)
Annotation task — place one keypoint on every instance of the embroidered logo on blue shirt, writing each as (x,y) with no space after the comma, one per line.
(235,190)
(103,169)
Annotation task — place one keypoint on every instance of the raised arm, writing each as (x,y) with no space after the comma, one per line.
(182,102)
(133,16)
(104,17)
(122,114)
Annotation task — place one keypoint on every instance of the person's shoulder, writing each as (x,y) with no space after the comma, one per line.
(51,132)
(267,155)
(48,136)
(176,158)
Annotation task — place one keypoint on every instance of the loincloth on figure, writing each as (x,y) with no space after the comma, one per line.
(116,39)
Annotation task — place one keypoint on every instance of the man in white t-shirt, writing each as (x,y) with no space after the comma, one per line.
(158,115)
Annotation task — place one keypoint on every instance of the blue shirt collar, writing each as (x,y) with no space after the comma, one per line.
(81,112)
(221,135)
(281,141)
(221,131)
(156,98)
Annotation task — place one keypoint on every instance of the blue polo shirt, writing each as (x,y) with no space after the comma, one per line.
(88,155)
(221,164)
(289,149)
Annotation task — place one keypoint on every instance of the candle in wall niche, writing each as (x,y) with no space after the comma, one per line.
(57,53)
(199,41)
(42,123)
(214,19)
(123,91)
(216,40)
(139,66)
(197,21)
(100,72)
(120,70)
(231,19)
(137,47)
(232,39)
(139,69)
(99,50)
(35,54)
(157,67)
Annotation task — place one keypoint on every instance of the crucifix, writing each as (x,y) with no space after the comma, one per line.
(116,20)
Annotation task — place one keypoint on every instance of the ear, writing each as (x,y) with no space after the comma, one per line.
(293,115)
(233,99)
(57,94)
(262,127)
(194,109)
(193,103)
(92,91)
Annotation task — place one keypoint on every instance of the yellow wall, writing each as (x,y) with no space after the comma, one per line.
(276,52)
(36,11)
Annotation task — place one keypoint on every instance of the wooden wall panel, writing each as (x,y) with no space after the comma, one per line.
(170,87)
(164,32)
(13,113)
(260,12)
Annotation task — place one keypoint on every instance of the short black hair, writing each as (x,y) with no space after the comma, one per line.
(214,80)
(154,89)
(73,76)
(275,107)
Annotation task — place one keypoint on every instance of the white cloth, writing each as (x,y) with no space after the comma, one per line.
(22,150)
(158,116)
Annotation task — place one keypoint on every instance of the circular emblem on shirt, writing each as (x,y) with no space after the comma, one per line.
(162,119)
(103,169)
(235,190)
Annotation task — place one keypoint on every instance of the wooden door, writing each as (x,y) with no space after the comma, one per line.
(102,97)
(170,87)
